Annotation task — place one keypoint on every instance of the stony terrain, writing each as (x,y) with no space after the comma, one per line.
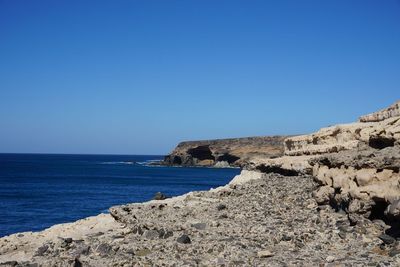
(225,152)
(332,199)
(270,220)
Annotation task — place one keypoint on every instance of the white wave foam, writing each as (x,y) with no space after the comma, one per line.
(119,162)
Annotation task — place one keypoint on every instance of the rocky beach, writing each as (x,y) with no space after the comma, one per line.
(331,198)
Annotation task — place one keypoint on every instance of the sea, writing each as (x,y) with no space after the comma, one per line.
(40,190)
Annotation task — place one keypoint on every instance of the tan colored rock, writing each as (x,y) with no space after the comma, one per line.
(343,137)
(206,162)
(323,194)
(389,112)
(298,164)
(365,176)
(393,210)
(265,254)
(245,176)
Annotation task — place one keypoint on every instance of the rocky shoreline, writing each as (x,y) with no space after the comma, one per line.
(330,199)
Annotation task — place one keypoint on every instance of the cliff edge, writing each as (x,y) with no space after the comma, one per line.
(225,152)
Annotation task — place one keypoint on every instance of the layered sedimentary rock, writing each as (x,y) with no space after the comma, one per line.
(356,164)
(362,182)
(389,112)
(225,152)
(347,136)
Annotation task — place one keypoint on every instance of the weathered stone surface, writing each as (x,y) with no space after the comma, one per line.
(323,194)
(344,137)
(363,182)
(393,210)
(265,254)
(225,152)
(282,165)
(356,165)
(389,112)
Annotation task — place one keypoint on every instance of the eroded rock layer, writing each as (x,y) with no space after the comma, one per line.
(225,152)
(360,181)
(356,165)
(389,112)
(343,137)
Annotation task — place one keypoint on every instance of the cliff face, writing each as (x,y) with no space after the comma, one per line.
(389,112)
(356,165)
(225,152)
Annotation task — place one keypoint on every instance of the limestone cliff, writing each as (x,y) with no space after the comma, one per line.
(356,165)
(225,152)
(389,112)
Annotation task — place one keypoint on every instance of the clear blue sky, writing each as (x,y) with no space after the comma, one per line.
(136,77)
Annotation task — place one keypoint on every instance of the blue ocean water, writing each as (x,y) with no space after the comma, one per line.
(40,190)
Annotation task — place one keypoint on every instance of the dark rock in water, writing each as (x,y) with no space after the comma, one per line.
(159,196)
(221,207)
(387,239)
(41,250)
(184,239)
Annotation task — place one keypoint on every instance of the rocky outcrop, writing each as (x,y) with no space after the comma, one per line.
(225,152)
(364,182)
(343,137)
(389,112)
(356,165)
